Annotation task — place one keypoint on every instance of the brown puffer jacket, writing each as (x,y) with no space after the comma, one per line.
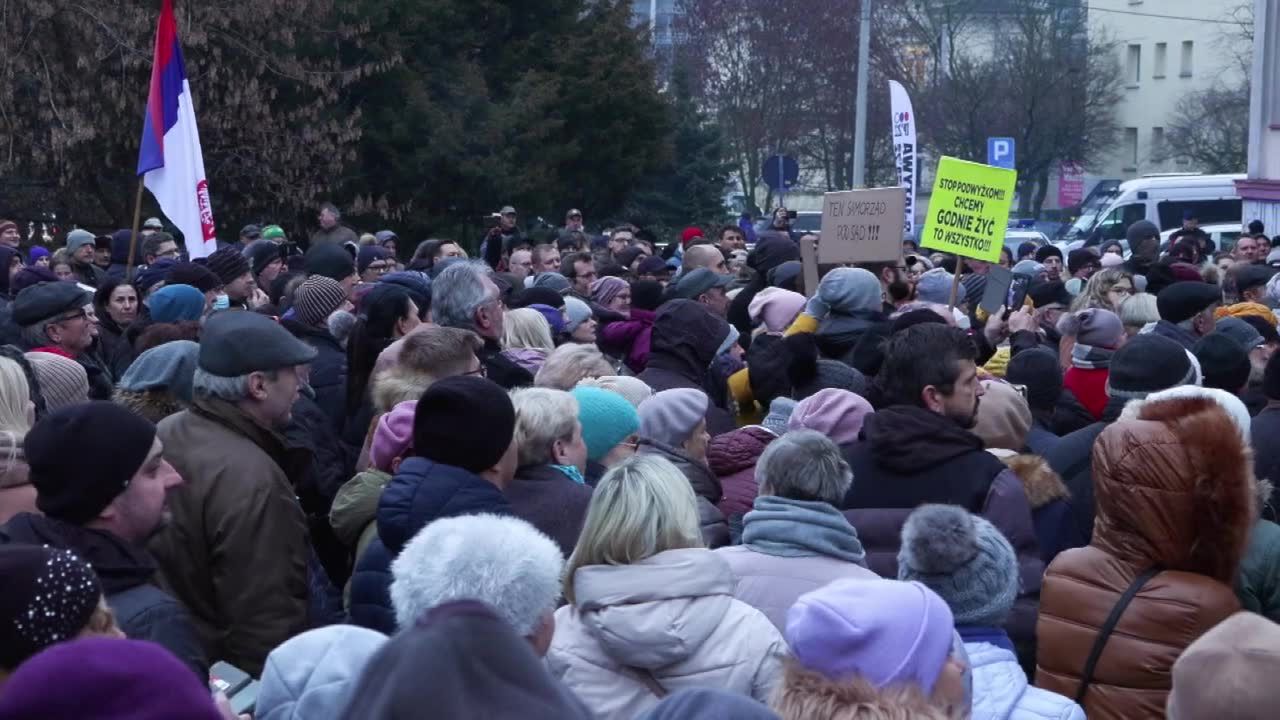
(1174,490)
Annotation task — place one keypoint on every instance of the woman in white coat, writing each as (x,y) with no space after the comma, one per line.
(651,611)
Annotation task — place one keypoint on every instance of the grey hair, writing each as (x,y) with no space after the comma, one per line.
(804,465)
(34,335)
(458,292)
(218,387)
(503,562)
(570,364)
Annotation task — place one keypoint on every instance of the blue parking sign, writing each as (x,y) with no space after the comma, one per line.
(1000,152)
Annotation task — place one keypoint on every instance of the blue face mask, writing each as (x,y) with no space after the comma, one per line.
(571,471)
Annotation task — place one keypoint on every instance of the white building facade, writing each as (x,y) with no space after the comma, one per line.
(1261,190)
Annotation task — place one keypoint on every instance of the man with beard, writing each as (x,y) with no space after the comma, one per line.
(894,285)
(103,501)
(918,449)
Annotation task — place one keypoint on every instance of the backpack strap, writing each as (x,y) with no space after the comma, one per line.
(1100,642)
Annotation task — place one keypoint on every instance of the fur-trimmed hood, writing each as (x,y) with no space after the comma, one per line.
(1174,486)
(154,405)
(1041,483)
(804,694)
(392,387)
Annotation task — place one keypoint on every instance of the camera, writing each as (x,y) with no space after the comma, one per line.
(792,215)
(492,221)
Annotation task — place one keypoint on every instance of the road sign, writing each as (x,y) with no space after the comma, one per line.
(1000,153)
(969,209)
(862,225)
(781,172)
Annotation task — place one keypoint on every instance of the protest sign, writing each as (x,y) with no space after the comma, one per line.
(809,266)
(862,226)
(969,209)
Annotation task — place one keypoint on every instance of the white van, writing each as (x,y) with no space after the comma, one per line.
(1162,199)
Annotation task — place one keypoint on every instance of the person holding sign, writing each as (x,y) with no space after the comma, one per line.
(969,210)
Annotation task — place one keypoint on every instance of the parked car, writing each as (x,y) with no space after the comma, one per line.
(1162,199)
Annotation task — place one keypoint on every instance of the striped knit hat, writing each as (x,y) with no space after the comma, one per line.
(63,381)
(317,298)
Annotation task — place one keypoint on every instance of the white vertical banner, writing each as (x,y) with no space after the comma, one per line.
(904,152)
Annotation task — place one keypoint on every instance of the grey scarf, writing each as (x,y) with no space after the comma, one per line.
(1089,357)
(799,528)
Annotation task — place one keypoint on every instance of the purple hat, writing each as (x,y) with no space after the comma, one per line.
(607,288)
(834,412)
(555,318)
(36,253)
(885,631)
(118,678)
(393,436)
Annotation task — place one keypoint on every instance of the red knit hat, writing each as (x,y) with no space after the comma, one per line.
(688,235)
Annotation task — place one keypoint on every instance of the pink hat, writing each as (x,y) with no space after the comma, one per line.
(776,308)
(393,438)
(834,412)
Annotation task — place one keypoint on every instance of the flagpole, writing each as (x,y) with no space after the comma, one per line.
(133,238)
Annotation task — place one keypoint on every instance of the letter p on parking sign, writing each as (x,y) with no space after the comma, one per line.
(1000,153)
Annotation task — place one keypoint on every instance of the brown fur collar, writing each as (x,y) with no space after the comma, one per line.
(154,405)
(1042,484)
(804,695)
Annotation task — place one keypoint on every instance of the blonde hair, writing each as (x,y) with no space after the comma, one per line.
(543,416)
(526,328)
(570,364)
(641,507)
(1095,291)
(15,398)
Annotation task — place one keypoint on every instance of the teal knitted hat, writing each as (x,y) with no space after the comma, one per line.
(964,559)
(607,419)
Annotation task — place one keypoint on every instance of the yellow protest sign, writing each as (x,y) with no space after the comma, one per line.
(969,209)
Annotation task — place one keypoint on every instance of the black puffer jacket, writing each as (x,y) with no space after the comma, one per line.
(768,254)
(685,339)
(328,370)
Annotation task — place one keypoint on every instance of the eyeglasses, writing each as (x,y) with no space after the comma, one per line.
(168,253)
(1122,290)
(76,316)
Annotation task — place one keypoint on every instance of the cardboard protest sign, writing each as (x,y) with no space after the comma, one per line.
(809,266)
(969,209)
(862,226)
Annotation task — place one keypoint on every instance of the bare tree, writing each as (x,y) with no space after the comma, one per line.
(1210,128)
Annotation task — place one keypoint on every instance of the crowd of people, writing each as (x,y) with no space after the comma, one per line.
(602,476)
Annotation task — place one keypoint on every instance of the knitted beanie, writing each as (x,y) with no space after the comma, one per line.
(62,381)
(671,416)
(837,414)
(1223,361)
(830,374)
(1148,363)
(781,408)
(1046,252)
(607,419)
(964,559)
(634,390)
(775,308)
(368,255)
(49,596)
(464,421)
(28,276)
(228,264)
(607,288)
(393,436)
(1038,370)
(646,294)
(153,274)
(1078,260)
(77,239)
(576,312)
(552,281)
(317,298)
(175,303)
(197,276)
(1095,327)
(845,291)
(934,286)
(37,252)
(331,261)
(554,317)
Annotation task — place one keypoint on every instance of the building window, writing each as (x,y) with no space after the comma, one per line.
(1131,148)
(1187,47)
(1157,145)
(1133,65)
(1162,58)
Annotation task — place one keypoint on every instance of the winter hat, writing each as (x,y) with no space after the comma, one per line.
(77,239)
(607,288)
(1146,364)
(176,303)
(1037,369)
(331,261)
(1223,361)
(7,225)
(885,631)
(49,596)
(119,679)
(632,389)
(311,676)
(41,302)
(77,486)
(1004,418)
(464,421)
(646,294)
(775,308)
(368,255)
(829,374)
(260,254)
(846,291)
(1047,252)
(228,264)
(153,274)
(35,253)
(779,416)
(785,275)
(552,281)
(197,276)
(1079,259)
(318,297)
(169,367)
(393,436)
(1044,294)
(1228,401)
(1095,327)
(1229,672)
(1182,301)
(628,255)
(28,276)
(1252,276)
(964,559)
(607,419)
(62,381)
(671,416)
(1246,310)
(1028,267)
(935,286)
(555,318)
(730,338)
(1110,260)
(838,414)
(1141,230)
(576,312)
(538,296)
(1240,331)
(688,234)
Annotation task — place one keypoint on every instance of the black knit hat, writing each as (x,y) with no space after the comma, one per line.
(83,456)
(464,421)
(1223,362)
(331,261)
(1182,301)
(1146,364)
(228,264)
(1037,369)
(537,296)
(646,294)
(261,253)
(1048,251)
(197,276)
(1048,293)
(1079,259)
(49,596)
